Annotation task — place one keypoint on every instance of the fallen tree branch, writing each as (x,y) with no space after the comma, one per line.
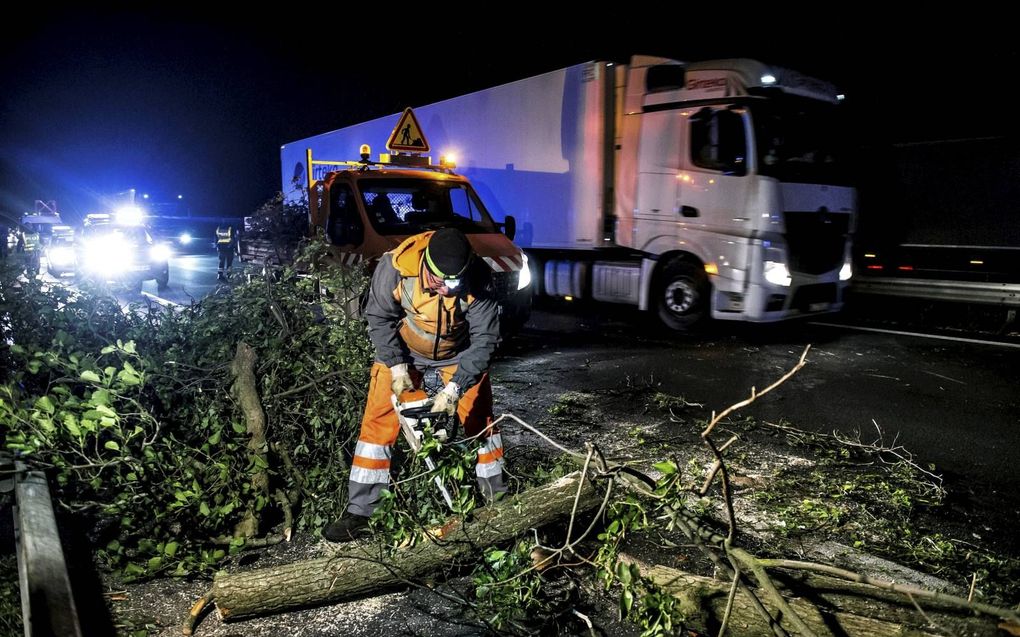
(705,602)
(245,391)
(362,568)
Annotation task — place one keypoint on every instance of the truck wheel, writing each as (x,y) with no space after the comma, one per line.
(163,279)
(682,295)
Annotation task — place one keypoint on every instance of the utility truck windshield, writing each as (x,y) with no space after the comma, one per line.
(409,206)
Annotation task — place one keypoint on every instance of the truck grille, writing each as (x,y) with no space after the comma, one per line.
(816,240)
(812,295)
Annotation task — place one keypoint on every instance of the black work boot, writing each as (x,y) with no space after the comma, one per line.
(347,528)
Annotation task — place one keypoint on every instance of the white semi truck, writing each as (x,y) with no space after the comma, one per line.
(688,189)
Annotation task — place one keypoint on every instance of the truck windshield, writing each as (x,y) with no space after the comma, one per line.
(800,140)
(409,206)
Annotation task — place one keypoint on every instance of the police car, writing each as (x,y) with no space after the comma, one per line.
(118,247)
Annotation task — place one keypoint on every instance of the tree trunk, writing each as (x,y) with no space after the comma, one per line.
(831,607)
(363,568)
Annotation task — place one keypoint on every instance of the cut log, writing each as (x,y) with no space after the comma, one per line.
(357,570)
(830,607)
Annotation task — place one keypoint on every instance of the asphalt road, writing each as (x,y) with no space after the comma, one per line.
(952,403)
(192,277)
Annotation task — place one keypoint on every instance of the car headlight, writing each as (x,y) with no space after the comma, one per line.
(107,254)
(160,252)
(61,256)
(777,274)
(524,278)
(185,238)
(846,272)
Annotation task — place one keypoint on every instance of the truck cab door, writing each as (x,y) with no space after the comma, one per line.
(659,163)
(715,204)
(344,227)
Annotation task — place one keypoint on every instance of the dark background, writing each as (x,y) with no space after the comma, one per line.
(197,103)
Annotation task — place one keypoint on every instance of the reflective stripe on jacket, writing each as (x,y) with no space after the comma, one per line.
(224,237)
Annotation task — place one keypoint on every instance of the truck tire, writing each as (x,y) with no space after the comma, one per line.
(681,297)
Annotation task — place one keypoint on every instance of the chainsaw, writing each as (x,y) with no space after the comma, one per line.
(415,410)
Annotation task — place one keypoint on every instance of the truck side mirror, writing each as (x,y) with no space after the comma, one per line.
(509,227)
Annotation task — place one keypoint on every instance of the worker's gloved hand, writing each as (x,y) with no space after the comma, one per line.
(401,380)
(446,400)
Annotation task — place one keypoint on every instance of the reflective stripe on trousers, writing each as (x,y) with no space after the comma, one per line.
(370,470)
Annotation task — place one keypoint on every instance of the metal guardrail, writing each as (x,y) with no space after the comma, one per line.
(997,294)
(47,603)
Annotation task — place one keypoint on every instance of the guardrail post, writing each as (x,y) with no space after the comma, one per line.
(47,604)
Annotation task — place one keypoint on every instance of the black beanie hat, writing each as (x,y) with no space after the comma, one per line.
(448,253)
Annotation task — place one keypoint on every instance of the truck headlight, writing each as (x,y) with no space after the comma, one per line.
(776,273)
(524,278)
(846,272)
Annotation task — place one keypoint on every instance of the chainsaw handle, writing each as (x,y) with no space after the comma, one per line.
(420,412)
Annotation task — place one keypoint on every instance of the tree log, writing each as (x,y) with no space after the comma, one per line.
(829,606)
(363,568)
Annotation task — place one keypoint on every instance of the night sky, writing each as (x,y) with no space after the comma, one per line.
(94,101)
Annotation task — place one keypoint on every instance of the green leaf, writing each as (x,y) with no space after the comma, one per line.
(496,556)
(238,427)
(128,377)
(623,572)
(108,349)
(155,563)
(626,602)
(91,377)
(72,425)
(44,404)
(111,444)
(170,549)
(215,438)
(100,397)
(667,468)
(203,509)
(33,366)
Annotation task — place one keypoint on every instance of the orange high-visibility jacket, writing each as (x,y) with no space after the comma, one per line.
(404,318)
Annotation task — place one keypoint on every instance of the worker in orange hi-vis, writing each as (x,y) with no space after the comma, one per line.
(429,309)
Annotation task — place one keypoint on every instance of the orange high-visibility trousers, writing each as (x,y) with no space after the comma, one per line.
(370,469)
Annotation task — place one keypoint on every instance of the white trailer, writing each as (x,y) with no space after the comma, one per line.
(712,188)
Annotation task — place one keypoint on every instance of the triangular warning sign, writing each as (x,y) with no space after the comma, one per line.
(407,136)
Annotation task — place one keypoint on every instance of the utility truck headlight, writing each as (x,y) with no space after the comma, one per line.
(160,252)
(846,272)
(185,238)
(524,278)
(777,274)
